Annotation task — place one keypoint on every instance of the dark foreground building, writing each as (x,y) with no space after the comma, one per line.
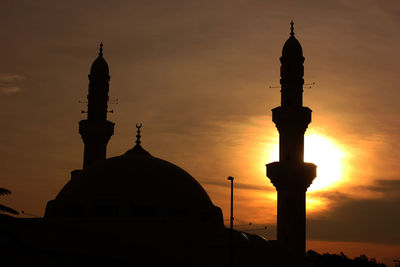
(132,210)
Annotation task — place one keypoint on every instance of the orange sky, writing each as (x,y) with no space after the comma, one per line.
(197,75)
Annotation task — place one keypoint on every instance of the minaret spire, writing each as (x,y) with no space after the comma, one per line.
(101,49)
(291,176)
(291,28)
(138,136)
(96,130)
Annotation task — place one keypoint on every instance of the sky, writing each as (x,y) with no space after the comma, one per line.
(198,75)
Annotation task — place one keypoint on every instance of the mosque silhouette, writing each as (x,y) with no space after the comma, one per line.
(139,210)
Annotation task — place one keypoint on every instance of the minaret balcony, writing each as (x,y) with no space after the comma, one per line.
(291,118)
(94,131)
(291,174)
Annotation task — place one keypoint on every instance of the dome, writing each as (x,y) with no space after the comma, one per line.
(135,184)
(99,66)
(292,48)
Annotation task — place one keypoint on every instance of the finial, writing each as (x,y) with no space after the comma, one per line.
(138,126)
(101,49)
(291,28)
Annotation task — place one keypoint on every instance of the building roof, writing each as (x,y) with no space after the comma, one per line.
(135,184)
(292,48)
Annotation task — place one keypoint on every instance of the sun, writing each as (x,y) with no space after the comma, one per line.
(329,158)
(326,154)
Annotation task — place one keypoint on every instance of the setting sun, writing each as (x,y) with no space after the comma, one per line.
(326,154)
(328,157)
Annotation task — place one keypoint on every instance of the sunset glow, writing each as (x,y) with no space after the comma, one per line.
(203,79)
(326,154)
(329,159)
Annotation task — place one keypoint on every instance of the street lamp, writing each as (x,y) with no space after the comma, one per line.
(230,178)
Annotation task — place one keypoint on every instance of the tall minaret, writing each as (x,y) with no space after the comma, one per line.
(96,130)
(291,176)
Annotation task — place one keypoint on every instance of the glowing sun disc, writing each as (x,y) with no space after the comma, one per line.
(328,157)
(326,154)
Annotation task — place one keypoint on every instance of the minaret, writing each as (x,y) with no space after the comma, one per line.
(291,176)
(96,130)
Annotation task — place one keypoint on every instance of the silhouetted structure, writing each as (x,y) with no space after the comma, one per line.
(142,206)
(291,175)
(96,130)
(130,210)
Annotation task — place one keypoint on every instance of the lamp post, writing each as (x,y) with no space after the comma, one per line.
(231,226)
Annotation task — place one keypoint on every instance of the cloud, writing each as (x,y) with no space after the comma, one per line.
(385,186)
(9,83)
(241,186)
(361,220)
(329,195)
(9,78)
(9,90)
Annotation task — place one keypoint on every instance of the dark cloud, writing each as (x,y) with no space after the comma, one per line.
(329,195)
(385,186)
(9,83)
(10,78)
(241,186)
(372,219)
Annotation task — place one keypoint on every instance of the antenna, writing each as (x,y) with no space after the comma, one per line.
(308,85)
(83,102)
(113,101)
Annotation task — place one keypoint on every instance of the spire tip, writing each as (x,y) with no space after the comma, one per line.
(101,49)
(138,136)
(291,28)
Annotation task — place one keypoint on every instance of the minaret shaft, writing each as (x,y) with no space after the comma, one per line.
(98,98)
(95,135)
(292,210)
(291,176)
(96,130)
